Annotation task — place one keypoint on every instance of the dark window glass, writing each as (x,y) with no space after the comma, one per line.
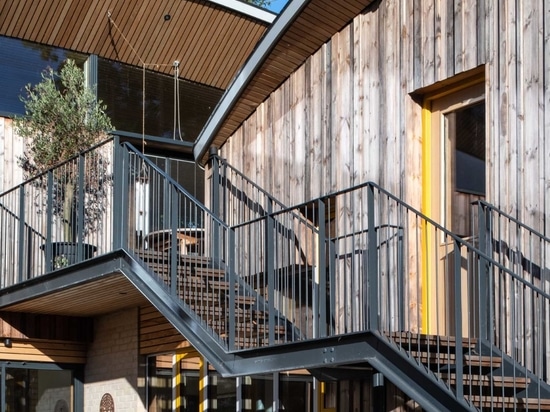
(31,389)
(296,393)
(222,392)
(470,149)
(120,87)
(21,63)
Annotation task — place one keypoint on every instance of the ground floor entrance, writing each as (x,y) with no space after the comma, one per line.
(39,387)
(185,382)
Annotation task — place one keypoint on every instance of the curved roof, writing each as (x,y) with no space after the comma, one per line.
(302,28)
(216,43)
(210,39)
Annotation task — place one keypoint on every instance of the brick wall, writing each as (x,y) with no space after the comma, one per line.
(113,364)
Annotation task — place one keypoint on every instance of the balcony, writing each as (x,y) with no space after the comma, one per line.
(354,277)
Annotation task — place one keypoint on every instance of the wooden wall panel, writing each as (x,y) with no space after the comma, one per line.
(156,334)
(341,119)
(518,106)
(51,327)
(361,124)
(11,147)
(44,351)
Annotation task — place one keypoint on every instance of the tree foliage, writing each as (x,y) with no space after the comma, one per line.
(62,119)
(260,3)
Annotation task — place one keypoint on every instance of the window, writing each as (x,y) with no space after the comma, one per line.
(468,126)
(37,387)
(120,87)
(456,155)
(21,63)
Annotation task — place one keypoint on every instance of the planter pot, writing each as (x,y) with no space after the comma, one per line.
(66,253)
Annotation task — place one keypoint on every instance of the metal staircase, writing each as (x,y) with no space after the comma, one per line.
(354,277)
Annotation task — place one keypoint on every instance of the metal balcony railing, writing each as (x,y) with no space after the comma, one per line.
(525,252)
(358,260)
(235,197)
(58,218)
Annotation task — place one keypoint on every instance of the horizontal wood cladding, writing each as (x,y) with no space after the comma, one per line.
(156,334)
(51,327)
(199,34)
(43,351)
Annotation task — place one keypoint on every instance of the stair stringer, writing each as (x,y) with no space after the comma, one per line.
(537,387)
(316,355)
(173,309)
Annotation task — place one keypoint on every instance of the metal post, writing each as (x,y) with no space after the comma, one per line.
(270,273)
(215,201)
(320,295)
(120,193)
(458,319)
(21,245)
(80,211)
(49,223)
(232,320)
(485,306)
(174,208)
(401,279)
(372,265)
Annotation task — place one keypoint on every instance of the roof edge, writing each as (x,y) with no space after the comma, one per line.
(245,75)
(247,9)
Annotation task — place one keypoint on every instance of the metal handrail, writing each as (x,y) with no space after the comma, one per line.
(486,205)
(364,261)
(223,162)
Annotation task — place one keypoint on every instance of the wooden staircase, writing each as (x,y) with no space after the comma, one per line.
(205,289)
(490,380)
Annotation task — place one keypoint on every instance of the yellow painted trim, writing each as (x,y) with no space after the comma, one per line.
(179,356)
(177,380)
(202,385)
(426,203)
(460,82)
(322,389)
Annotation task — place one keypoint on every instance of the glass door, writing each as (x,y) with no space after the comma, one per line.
(31,388)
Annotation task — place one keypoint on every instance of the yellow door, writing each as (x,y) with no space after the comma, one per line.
(454,168)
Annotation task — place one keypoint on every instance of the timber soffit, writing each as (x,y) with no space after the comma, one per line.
(301,29)
(201,34)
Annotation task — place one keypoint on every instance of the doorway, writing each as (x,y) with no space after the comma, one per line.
(27,386)
(454,151)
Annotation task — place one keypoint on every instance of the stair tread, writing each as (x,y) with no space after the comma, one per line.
(220,284)
(209,272)
(245,300)
(150,254)
(428,340)
(508,402)
(450,357)
(487,380)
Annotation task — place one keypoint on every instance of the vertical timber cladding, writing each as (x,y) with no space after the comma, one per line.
(519,103)
(346,116)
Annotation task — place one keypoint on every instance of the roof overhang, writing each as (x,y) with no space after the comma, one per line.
(210,38)
(89,289)
(301,29)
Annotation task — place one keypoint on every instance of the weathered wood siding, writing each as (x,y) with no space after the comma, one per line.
(519,109)
(346,116)
(11,147)
(156,334)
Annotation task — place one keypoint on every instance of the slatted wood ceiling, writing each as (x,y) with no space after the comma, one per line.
(108,294)
(210,42)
